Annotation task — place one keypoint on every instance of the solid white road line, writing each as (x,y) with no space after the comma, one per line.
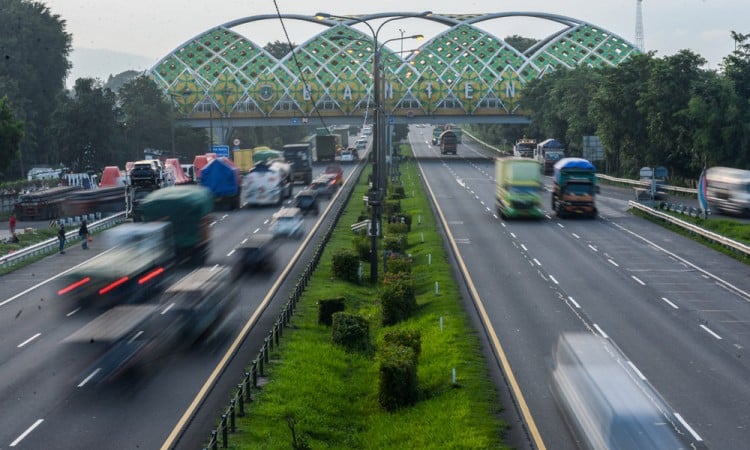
(29,340)
(601,332)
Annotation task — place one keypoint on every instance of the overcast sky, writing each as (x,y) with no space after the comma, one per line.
(140,27)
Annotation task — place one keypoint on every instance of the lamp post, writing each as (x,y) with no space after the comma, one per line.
(376,195)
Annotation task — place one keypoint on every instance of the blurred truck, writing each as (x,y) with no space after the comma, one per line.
(267,183)
(448,142)
(243,159)
(574,188)
(299,155)
(518,187)
(728,189)
(140,255)
(325,147)
(222,178)
(548,152)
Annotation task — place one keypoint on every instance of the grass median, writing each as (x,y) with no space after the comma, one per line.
(322,396)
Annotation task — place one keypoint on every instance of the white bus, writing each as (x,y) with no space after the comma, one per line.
(728,189)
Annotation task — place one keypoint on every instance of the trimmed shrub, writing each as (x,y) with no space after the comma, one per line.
(397,386)
(351,331)
(398,263)
(397,192)
(396,228)
(392,207)
(327,307)
(407,338)
(361,243)
(398,299)
(396,243)
(346,265)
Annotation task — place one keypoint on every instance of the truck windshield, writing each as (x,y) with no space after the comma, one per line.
(580,189)
(523,189)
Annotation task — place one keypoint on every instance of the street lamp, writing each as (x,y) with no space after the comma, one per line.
(376,195)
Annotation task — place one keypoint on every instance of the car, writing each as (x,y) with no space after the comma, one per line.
(362,145)
(347,155)
(288,222)
(307,201)
(324,186)
(255,254)
(336,171)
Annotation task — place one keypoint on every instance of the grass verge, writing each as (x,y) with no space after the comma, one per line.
(328,398)
(729,228)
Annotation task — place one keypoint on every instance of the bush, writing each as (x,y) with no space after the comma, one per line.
(327,307)
(398,263)
(398,298)
(392,207)
(350,331)
(397,192)
(346,266)
(406,338)
(361,243)
(397,385)
(396,228)
(396,243)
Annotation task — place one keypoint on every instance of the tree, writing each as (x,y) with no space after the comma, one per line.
(84,126)
(35,49)
(146,117)
(11,133)
(664,103)
(520,43)
(621,126)
(279,49)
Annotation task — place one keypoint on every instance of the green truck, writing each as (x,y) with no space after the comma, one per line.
(142,255)
(518,188)
(574,188)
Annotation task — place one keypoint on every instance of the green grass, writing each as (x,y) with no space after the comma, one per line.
(26,240)
(331,395)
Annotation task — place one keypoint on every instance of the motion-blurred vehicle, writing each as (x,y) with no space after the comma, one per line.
(606,403)
(728,189)
(175,230)
(336,171)
(307,201)
(324,186)
(128,337)
(255,254)
(518,186)
(348,155)
(288,222)
(574,190)
(267,183)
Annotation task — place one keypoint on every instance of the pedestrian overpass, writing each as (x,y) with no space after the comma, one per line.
(221,78)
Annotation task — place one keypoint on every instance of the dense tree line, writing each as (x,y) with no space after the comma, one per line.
(647,111)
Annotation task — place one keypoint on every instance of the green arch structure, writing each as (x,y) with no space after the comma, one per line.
(463,74)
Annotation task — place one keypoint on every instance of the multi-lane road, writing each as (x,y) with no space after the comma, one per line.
(47,397)
(679,311)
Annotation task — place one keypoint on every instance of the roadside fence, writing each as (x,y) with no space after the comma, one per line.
(219,437)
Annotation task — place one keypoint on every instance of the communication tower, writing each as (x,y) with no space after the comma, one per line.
(639,26)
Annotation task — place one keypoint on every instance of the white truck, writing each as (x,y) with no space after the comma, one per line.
(728,189)
(267,183)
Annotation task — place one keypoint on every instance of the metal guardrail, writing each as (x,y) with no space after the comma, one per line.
(51,245)
(647,184)
(717,238)
(227,423)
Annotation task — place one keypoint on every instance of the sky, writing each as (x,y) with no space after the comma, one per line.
(137,33)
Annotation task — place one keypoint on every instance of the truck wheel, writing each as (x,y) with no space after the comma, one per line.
(560,211)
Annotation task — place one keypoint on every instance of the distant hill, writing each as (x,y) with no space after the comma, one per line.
(101,64)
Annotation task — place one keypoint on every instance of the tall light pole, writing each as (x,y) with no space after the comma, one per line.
(376,195)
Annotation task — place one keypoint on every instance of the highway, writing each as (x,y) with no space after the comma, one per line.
(47,396)
(678,310)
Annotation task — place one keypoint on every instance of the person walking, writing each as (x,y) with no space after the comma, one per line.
(12,223)
(83,232)
(61,238)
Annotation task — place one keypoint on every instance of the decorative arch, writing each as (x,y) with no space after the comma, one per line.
(461,71)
